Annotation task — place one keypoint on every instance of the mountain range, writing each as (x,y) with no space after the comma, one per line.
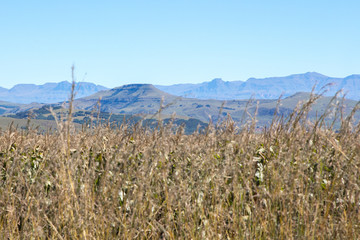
(267,88)
(258,88)
(147,100)
(214,100)
(149,103)
(47,93)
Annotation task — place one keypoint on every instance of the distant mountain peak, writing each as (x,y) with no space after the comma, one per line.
(353,76)
(135,85)
(217,80)
(48,92)
(64,82)
(132,98)
(130,91)
(138,89)
(314,75)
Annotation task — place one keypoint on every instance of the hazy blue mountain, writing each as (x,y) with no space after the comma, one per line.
(47,93)
(351,86)
(267,88)
(215,89)
(3,89)
(273,87)
(178,89)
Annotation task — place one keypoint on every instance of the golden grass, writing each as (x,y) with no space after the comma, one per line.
(293,180)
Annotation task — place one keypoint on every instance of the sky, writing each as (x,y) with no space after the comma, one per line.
(166,42)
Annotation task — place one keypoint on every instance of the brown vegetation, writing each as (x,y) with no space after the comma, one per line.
(294,179)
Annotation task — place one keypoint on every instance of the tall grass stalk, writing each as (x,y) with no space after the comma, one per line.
(293,180)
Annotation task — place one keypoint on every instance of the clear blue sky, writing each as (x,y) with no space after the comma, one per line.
(176,41)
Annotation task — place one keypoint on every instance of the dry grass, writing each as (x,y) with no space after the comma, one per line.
(293,180)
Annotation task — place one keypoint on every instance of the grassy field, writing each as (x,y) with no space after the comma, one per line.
(293,180)
(42,125)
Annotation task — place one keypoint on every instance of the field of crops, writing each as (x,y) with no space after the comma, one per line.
(291,180)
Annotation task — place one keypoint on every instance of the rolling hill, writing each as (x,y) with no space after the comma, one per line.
(9,107)
(146,99)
